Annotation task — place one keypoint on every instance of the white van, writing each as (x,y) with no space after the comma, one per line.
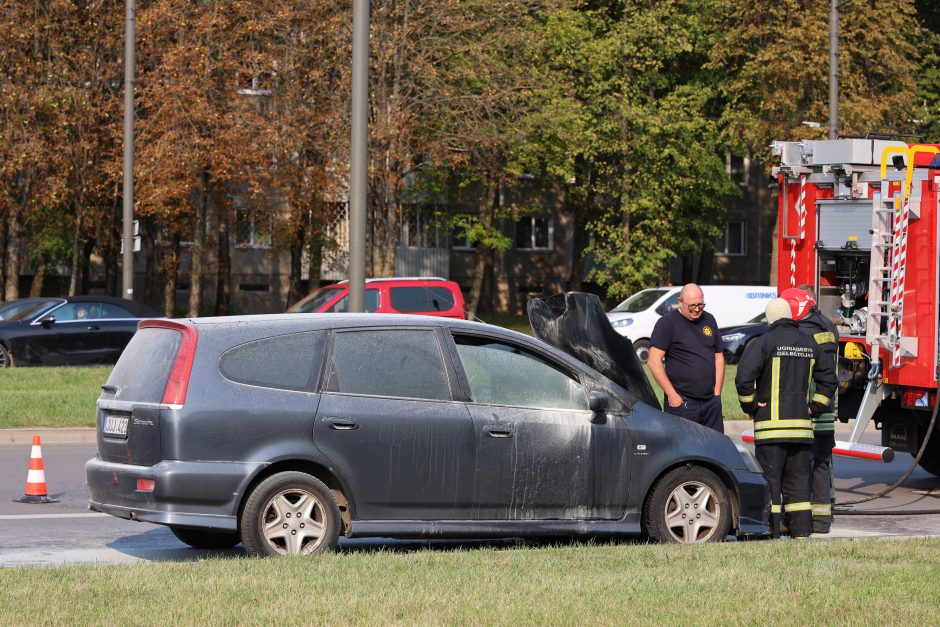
(730,304)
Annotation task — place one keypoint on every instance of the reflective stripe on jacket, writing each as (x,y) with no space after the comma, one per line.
(777,370)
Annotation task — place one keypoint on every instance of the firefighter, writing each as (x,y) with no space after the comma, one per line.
(826,337)
(773,382)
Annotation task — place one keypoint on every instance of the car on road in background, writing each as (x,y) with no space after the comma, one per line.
(737,337)
(70,331)
(426,296)
(12,307)
(284,432)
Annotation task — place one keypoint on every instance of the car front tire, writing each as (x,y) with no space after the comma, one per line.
(290,513)
(205,538)
(642,348)
(689,505)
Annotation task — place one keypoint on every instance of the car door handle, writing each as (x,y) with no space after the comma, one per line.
(94,327)
(342,424)
(501,432)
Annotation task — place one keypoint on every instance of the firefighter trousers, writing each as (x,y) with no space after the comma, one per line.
(823,491)
(786,468)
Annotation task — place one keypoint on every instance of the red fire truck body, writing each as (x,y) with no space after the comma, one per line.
(857,219)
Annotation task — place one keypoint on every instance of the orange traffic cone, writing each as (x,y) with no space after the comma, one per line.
(36,478)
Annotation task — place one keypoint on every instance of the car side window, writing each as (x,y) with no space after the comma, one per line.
(404,363)
(283,362)
(370,302)
(668,305)
(505,374)
(417,299)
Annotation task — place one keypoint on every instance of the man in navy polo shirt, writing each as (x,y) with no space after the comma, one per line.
(687,361)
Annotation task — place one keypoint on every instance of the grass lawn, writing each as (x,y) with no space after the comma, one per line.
(50,397)
(737,583)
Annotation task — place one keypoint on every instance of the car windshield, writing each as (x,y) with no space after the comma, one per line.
(28,310)
(315,300)
(759,318)
(639,301)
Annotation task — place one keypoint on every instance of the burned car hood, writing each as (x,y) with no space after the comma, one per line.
(575,322)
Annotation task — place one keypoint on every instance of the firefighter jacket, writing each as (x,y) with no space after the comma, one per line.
(826,336)
(776,370)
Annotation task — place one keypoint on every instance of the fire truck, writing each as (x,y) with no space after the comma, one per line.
(857,219)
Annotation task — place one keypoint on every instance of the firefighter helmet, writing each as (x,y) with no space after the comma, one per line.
(800,302)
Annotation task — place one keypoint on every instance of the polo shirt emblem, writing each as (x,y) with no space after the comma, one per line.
(707,330)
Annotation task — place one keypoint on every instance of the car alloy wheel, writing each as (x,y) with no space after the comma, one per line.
(6,359)
(290,513)
(689,505)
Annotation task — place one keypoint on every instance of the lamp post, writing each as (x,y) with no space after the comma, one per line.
(130,44)
(357,156)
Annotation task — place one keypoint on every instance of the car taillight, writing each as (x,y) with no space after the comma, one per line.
(918,398)
(177,383)
(146,485)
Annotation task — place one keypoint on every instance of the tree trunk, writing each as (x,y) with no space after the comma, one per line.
(3,255)
(84,265)
(196,251)
(298,245)
(484,257)
(76,252)
(39,278)
(223,292)
(171,264)
(109,250)
(12,286)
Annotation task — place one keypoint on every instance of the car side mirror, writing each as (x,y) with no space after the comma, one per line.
(47,322)
(598,402)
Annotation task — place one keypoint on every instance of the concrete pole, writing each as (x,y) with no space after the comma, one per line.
(130,45)
(358,171)
(833,69)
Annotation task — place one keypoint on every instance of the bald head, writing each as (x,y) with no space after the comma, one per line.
(691,301)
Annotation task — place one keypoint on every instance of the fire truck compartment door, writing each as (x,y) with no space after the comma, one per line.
(841,219)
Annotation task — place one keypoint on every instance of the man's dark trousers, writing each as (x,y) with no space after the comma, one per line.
(786,468)
(706,413)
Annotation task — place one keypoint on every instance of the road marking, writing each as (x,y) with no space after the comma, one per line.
(38,516)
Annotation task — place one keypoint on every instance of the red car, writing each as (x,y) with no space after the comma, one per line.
(427,296)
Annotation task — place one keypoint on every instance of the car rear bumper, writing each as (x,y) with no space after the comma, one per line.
(185,494)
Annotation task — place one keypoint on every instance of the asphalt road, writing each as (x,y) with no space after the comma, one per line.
(66,532)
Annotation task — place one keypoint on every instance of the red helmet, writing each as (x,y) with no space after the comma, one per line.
(800,302)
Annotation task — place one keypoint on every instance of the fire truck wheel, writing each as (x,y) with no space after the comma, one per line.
(689,505)
(931,458)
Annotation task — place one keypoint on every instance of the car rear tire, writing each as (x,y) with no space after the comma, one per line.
(290,513)
(930,460)
(689,505)
(205,538)
(6,359)
(642,348)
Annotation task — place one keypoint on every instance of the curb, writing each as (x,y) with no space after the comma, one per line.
(69,435)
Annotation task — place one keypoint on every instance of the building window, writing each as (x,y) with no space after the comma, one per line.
(253,228)
(419,230)
(733,242)
(534,233)
(461,235)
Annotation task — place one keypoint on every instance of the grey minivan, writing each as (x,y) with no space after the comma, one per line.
(284,432)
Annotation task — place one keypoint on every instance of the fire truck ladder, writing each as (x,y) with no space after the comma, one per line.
(894,208)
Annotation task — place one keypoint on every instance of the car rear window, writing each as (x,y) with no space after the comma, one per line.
(283,362)
(404,363)
(414,299)
(144,367)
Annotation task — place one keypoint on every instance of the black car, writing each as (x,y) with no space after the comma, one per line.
(286,431)
(737,338)
(69,331)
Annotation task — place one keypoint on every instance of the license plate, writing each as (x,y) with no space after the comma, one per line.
(116,425)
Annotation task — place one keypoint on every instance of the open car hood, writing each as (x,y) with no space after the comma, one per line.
(575,322)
